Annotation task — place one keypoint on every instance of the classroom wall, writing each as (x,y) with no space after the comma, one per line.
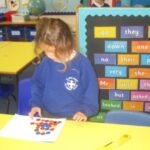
(65,6)
(67,14)
(134,2)
(142,2)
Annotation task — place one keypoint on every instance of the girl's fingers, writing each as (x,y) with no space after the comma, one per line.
(80,117)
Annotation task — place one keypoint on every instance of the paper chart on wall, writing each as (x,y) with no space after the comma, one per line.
(38,129)
(2,3)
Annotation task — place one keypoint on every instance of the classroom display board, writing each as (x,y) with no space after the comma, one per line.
(50,6)
(61,6)
(133,3)
(117,41)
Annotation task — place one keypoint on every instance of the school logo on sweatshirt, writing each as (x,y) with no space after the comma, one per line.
(71,83)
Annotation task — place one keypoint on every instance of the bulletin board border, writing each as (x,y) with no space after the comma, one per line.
(84,12)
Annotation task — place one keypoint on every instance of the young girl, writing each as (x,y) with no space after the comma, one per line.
(64,84)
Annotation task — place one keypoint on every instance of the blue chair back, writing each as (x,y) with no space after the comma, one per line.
(6,90)
(128,117)
(24,96)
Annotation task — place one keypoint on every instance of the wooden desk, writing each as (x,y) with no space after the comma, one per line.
(83,136)
(15,56)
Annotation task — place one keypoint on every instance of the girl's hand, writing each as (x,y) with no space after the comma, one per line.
(35,110)
(79,116)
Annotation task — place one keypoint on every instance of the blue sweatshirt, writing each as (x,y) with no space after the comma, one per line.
(64,93)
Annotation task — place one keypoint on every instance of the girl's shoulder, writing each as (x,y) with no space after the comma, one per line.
(81,58)
(44,60)
(43,63)
(81,61)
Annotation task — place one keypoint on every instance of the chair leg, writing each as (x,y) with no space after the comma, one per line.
(14,97)
(15,100)
(8,105)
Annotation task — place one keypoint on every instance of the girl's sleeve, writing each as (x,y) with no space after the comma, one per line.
(37,88)
(90,104)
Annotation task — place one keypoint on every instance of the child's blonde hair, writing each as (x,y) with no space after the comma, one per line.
(55,32)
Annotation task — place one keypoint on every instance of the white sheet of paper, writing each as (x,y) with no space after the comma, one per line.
(20,127)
